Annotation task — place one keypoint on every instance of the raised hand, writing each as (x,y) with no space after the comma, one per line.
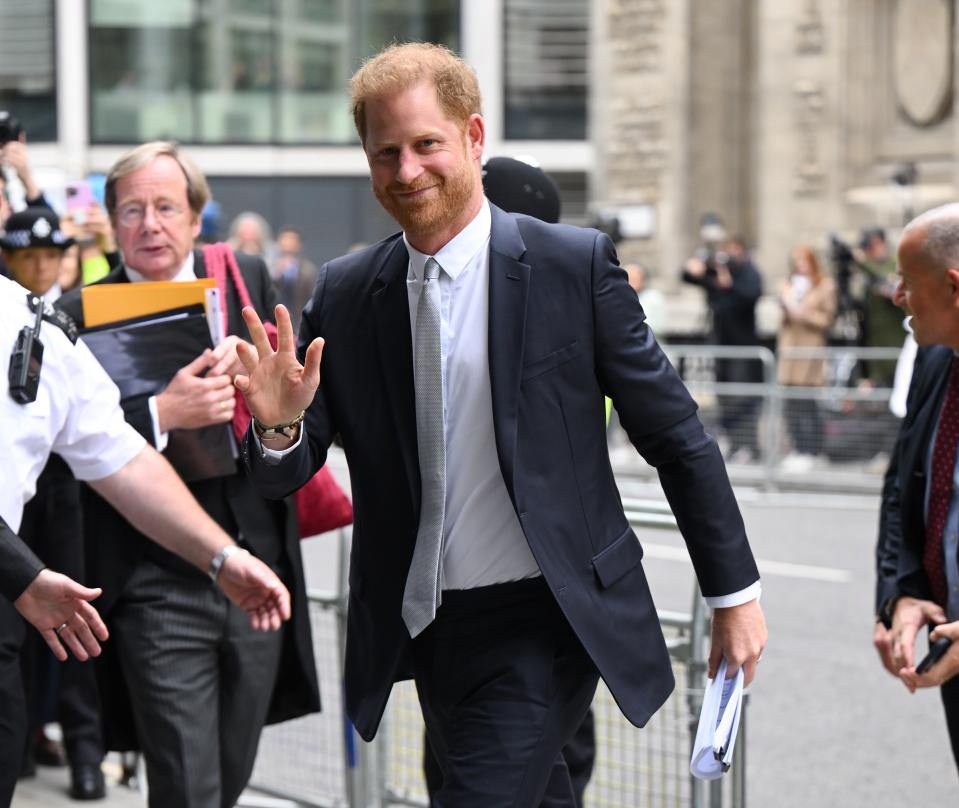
(57,607)
(256,589)
(276,386)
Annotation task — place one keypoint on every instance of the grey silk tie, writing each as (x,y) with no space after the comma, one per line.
(422,595)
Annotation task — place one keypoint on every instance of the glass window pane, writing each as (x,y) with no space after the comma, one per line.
(385,21)
(546,47)
(28,66)
(235,89)
(242,71)
(314,48)
(141,64)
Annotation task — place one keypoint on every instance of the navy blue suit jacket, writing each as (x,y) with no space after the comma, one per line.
(902,521)
(565,329)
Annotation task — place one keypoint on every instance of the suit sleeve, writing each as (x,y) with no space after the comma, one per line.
(18,564)
(889,542)
(659,417)
(280,479)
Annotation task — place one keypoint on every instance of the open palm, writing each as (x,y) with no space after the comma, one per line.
(276,386)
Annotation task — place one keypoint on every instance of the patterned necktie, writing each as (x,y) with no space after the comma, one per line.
(422,595)
(940,486)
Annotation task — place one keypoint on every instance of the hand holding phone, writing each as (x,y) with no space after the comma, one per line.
(937,649)
(79,198)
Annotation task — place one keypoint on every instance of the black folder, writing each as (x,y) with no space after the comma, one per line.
(141,356)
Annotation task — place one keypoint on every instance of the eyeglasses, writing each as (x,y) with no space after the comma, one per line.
(132,214)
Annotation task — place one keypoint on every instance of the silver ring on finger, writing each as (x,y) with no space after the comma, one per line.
(59,628)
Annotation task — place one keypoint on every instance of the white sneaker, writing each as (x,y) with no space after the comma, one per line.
(742,455)
(798,463)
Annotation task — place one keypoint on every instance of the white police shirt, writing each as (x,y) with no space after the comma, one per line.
(76,414)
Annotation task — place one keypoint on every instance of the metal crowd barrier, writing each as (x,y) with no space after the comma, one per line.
(319,761)
(856,424)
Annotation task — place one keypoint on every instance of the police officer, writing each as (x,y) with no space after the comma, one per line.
(76,413)
(33,247)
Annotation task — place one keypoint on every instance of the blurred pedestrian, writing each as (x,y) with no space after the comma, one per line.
(882,324)
(733,286)
(15,156)
(808,300)
(650,298)
(250,233)
(294,275)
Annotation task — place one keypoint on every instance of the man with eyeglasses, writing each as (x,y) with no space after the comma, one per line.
(200,684)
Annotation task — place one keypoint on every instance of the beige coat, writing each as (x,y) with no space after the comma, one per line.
(807,330)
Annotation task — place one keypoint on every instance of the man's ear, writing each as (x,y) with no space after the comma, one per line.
(476,134)
(952,282)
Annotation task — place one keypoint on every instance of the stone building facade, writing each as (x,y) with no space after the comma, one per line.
(791,119)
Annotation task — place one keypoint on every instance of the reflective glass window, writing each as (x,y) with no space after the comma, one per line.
(28,66)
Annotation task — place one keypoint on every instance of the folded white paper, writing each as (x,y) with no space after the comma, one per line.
(718,725)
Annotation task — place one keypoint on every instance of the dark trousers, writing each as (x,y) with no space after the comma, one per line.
(805,425)
(200,682)
(503,683)
(738,415)
(950,701)
(579,754)
(13,712)
(53,528)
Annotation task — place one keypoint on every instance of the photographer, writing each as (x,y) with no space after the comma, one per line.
(733,285)
(867,315)
(15,158)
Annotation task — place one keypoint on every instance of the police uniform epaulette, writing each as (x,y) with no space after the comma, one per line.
(60,319)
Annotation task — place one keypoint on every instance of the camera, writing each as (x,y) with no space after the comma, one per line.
(10,128)
(840,251)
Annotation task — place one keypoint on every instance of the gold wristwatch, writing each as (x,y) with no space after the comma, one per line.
(287,430)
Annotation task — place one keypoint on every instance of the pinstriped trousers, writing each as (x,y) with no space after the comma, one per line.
(200,682)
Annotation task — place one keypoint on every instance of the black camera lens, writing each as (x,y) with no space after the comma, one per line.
(10,128)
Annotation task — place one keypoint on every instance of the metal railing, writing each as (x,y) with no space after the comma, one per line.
(319,761)
(855,421)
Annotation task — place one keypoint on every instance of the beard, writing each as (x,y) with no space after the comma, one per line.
(438,211)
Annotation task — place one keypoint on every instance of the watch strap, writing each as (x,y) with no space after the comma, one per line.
(287,430)
(220,559)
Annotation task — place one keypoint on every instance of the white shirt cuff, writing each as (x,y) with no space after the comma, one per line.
(751,592)
(274,456)
(160,439)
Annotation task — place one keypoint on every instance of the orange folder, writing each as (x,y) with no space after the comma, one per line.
(114,302)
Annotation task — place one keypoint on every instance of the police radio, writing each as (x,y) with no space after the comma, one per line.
(26,360)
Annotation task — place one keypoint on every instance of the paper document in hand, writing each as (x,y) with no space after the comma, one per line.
(141,356)
(116,302)
(718,725)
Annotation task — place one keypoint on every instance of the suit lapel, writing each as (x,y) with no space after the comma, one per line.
(391,315)
(934,378)
(508,293)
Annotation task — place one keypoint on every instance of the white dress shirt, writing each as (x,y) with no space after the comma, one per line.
(483,542)
(76,414)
